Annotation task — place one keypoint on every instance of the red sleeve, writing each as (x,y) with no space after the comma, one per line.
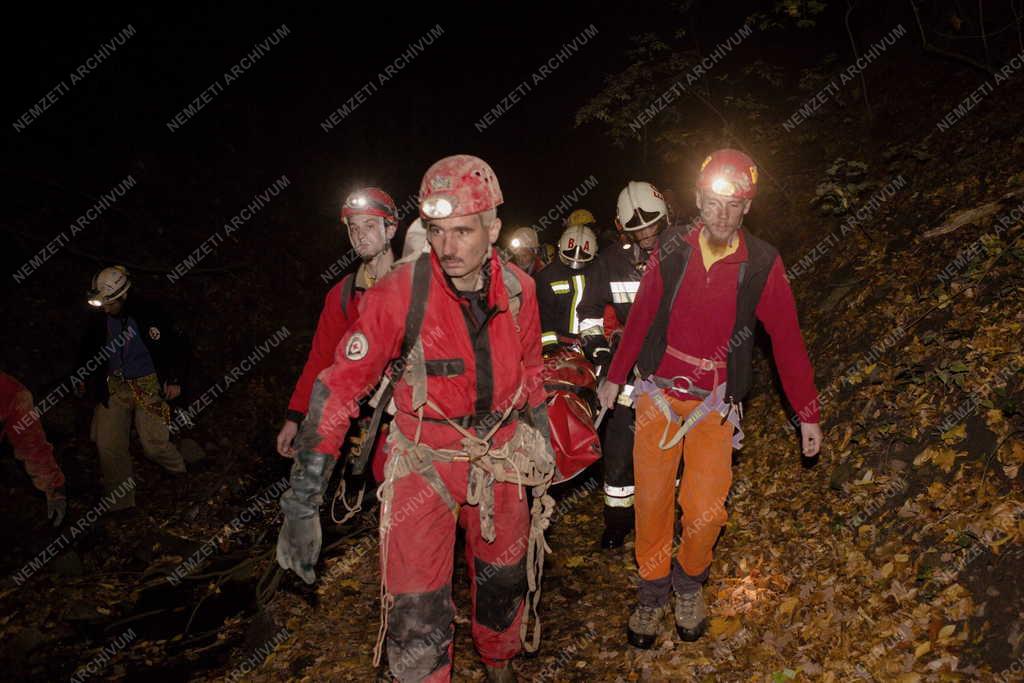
(777,311)
(529,337)
(329,329)
(25,432)
(359,364)
(638,323)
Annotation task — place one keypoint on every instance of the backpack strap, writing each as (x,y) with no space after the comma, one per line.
(514,289)
(347,291)
(412,363)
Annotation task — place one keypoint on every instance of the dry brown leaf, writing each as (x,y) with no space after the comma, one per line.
(787,606)
(723,628)
(955,435)
(945,458)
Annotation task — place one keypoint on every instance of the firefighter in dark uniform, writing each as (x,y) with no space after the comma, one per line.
(562,283)
(641,215)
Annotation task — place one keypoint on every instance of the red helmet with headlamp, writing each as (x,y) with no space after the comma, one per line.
(730,173)
(370,201)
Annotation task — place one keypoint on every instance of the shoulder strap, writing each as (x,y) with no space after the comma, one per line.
(514,289)
(420,290)
(347,287)
(417,302)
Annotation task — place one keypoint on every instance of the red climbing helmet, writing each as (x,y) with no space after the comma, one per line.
(370,201)
(459,185)
(729,172)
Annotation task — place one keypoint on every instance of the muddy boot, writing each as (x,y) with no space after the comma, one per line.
(500,674)
(618,522)
(644,624)
(691,615)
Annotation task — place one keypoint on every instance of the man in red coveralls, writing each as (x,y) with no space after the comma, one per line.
(463,330)
(371,217)
(690,335)
(25,432)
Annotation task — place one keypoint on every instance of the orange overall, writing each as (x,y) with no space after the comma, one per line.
(707,475)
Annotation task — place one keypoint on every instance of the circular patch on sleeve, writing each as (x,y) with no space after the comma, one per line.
(357,347)
(154,333)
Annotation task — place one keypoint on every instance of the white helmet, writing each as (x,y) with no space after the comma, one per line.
(109,284)
(577,246)
(524,238)
(640,205)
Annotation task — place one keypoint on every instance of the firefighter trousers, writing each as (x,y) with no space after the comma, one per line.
(617,453)
(418,567)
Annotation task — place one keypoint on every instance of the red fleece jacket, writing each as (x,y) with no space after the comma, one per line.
(701,324)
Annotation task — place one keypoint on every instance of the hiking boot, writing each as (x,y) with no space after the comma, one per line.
(618,522)
(644,624)
(691,615)
(613,538)
(503,674)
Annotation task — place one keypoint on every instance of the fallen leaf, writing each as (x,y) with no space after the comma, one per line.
(955,435)
(787,606)
(922,649)
(945,458)
(723,628)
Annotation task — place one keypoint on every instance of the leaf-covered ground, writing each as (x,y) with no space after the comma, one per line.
(895,557)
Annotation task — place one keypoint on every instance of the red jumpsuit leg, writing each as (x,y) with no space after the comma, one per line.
(497,573)
(418,566)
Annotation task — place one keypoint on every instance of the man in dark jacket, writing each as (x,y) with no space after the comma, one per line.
(140,360)
(562,283)
(612,283)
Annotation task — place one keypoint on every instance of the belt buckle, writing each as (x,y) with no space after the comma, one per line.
(706,364)
(689,383)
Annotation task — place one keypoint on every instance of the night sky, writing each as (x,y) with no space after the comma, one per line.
(266,121)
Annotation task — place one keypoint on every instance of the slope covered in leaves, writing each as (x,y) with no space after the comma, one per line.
(896,556)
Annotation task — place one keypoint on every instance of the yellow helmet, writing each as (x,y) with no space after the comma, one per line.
(580,217)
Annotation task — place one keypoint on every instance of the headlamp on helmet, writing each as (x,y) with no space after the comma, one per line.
(437,207)
(723,187)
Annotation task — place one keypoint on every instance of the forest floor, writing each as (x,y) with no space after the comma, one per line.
(895,557)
